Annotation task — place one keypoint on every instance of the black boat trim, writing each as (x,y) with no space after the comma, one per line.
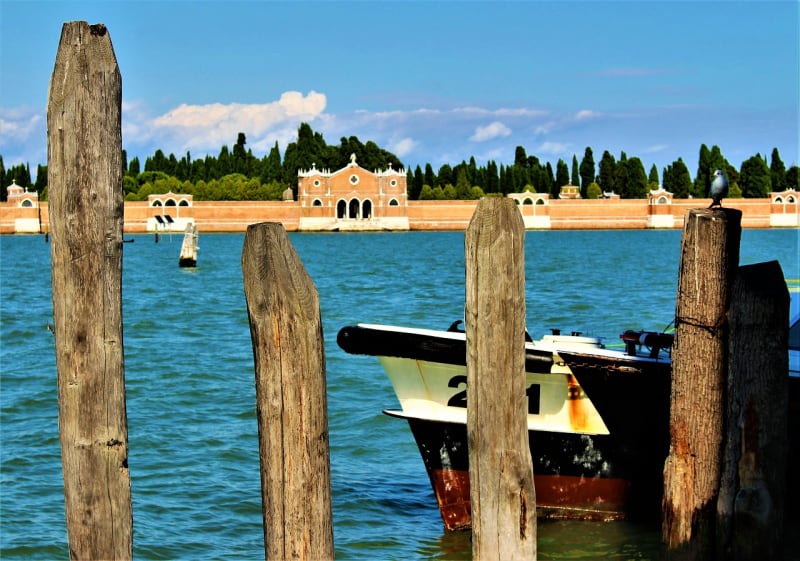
(365,340)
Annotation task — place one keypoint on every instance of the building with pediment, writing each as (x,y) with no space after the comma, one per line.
(352,199)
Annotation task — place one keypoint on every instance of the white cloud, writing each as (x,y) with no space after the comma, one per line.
(210,126)
(402,147)
(23,137)
(552,148)
(490,131)
(584,114)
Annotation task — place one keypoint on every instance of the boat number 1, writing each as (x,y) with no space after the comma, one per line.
(459,399)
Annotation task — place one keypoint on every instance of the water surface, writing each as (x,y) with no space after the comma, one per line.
(191,399)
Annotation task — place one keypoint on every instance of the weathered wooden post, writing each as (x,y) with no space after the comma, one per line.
(709,259)
(500,468)
(84,157)
(751,500)
(291,399)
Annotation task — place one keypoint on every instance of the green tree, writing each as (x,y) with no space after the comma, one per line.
(793,178)
(677,180)
(587,170)
(426,193)
(3,185)
(492,182)
(414,183)
(593,191)
(652,178)
(621,174)
(562,174)
(429,177)
(520,158)
(754,179)
(449,192)
(134,168)
(575,177)
(637,180)
(445,175)
(548,179)
(463,188)
(607,172)
(271,165)
(239,156)
(41,181)
(777,172)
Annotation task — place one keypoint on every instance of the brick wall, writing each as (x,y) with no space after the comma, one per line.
(235,216)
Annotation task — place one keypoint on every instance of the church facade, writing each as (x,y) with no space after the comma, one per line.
(352,199)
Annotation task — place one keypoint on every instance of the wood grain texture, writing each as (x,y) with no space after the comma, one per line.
(291,397)
(501,472)
(86,220)
(709,259)
(753,484)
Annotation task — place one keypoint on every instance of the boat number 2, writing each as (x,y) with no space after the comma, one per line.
(459,399)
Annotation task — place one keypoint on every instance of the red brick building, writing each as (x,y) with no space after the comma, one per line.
(352,198)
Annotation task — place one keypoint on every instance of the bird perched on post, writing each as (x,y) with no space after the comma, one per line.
(719,189)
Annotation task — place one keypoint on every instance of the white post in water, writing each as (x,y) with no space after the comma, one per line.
(189,247)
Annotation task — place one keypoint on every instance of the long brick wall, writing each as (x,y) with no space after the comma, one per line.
(422,215)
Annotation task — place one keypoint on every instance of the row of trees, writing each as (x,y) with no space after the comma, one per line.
(237,174)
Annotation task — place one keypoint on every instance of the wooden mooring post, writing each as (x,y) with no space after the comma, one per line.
(84,157)
(501,472)
(291,399)
(709,259)
(753,485)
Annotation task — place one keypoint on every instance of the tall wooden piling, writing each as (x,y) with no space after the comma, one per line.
(709,259)
(751,501)
(84,156)
(291,399)
(501,472)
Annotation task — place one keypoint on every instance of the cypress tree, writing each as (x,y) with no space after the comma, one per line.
(777,172)
(562,174)
(3,194)
(430,178)
(575,178)
(652,178)
(607,173)
(587,169)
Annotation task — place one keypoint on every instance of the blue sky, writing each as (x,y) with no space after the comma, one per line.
(433,82)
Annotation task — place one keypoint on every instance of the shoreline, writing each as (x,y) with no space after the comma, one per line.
(778,211)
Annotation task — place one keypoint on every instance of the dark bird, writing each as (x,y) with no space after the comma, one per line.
(719,189)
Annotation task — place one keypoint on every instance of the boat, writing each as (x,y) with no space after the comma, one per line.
(598,417)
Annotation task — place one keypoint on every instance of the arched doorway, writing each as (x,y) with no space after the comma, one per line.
(366,209)
(341,209)
(354,208)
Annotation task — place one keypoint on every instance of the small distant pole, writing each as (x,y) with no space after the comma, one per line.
(188,256)
(500,467)
(751,503)
(291,397)
(84,156)
(709,259)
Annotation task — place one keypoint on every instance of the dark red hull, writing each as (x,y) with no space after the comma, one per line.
(576,476)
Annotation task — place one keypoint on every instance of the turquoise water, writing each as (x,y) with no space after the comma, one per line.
(191,398)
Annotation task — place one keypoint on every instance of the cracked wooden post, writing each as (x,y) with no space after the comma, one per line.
(752,491)
(291,398)
(500,467)
(84,157)
(709,259)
